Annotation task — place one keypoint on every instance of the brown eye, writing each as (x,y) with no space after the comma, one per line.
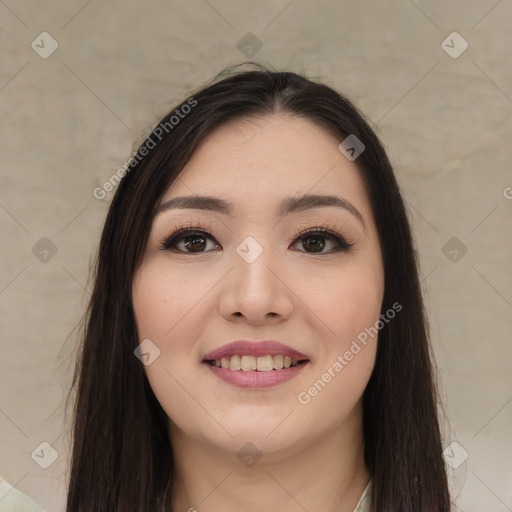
(315,243)
(194,241)
(314,240)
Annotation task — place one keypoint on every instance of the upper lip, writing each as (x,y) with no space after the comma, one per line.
(254,348)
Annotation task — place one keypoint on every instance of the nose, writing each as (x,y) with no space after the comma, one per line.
(256,293)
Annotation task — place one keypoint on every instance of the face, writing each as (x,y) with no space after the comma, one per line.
(263,269)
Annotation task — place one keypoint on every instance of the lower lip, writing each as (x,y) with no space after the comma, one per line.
(256,379)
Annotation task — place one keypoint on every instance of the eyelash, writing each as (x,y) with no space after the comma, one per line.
(180,231)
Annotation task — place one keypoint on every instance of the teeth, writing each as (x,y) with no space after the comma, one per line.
(278,362)
(265,363)
(234,364)
(248,363)
(252,363)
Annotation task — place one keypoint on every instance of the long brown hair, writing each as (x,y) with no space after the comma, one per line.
(121,457)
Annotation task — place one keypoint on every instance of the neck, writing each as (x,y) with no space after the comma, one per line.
(327,474)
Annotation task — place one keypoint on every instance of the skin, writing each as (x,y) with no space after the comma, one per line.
(189,304)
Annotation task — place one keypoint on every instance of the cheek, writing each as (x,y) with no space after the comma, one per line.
(348,356)
(168,311)
(346,303)
(350,352)
(166,303)
(358,309)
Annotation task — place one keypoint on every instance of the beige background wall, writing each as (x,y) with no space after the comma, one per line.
(69,121)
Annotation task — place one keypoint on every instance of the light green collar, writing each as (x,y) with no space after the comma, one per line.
(363,505)
(12,500)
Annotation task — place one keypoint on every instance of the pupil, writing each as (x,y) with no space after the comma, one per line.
(195,244)
(315,240)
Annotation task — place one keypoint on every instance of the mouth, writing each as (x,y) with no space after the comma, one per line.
(255,364)
(249,363)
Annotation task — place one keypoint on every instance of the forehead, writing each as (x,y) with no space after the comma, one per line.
(264,159)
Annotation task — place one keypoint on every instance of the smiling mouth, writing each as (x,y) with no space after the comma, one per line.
(252,363)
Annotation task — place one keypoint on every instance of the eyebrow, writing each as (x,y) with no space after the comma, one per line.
(287,206)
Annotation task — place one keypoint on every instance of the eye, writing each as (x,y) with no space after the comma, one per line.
(314,239)
(194,239)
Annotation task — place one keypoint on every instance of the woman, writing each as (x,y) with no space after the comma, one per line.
(256,335)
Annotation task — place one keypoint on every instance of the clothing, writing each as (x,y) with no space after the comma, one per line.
(363,505)
(12,500)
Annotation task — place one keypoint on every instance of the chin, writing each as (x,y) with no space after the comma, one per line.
(258,443)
